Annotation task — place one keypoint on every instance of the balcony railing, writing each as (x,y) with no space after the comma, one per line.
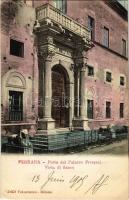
(47,11)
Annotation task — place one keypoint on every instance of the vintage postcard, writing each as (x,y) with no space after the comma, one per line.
(64,99)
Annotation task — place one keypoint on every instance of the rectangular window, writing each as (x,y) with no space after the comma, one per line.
(106,37)
(108,76)
(121,110)
(16,48)
(61,5)
(90,109)
(90,71)
(123,47)
(91,26)
(122,80)
(15,106)
(108,109)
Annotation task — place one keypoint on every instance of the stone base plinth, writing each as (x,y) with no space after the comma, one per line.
(80,124)
(46,124)
(55,131)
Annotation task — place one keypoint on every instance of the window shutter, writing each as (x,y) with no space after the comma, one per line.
(106,37)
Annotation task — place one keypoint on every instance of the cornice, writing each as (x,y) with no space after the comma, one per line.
(116,6)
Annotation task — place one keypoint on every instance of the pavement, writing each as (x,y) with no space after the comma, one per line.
(116,148)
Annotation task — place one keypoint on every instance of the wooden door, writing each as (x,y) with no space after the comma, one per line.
(60,106)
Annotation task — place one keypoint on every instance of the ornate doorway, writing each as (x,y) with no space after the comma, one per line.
(60,96)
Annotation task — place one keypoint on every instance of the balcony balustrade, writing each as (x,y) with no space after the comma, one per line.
(51,13)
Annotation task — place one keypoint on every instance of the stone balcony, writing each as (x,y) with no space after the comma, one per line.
(52,15)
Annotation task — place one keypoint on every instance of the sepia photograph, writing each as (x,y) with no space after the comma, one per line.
(64,95)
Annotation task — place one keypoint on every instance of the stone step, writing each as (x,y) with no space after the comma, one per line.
(39,145)
(62,140)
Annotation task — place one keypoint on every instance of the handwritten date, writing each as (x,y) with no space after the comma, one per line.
(76,182)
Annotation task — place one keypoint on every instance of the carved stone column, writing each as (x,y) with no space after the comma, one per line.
(71,104)
(47,88)
(77,91)
(82,92)
(80,121)
(47,123)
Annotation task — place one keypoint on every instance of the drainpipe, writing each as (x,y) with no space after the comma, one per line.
(33,79)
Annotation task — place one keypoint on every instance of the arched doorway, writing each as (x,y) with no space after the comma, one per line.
(60,96)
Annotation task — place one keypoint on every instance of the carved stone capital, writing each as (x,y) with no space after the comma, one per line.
(46,52)
(80,55)
(81,66)
(49,56)
(46,39)
(46,55)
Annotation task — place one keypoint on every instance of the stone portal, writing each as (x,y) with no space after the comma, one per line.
(60,84)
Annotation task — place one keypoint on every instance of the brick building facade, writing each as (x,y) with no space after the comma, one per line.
(64,64)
